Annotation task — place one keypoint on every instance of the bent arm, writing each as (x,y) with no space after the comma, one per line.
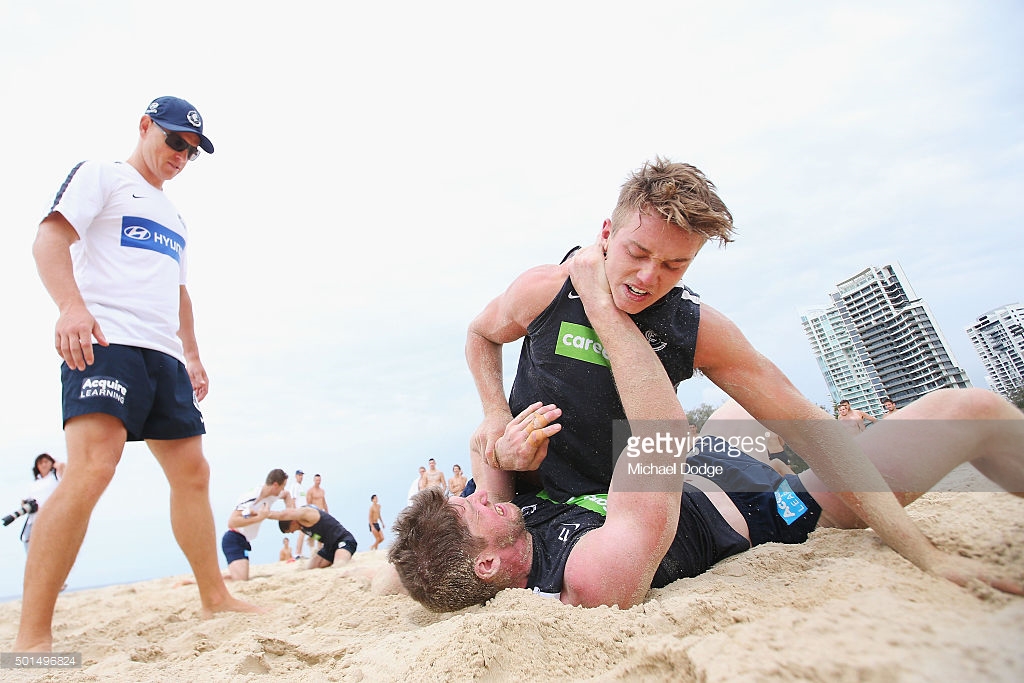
(504,320)
(53,261)
(306,516)
(642,513)
(238,519)
(76,327)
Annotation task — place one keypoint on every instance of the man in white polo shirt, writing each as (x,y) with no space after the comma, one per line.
(112,253)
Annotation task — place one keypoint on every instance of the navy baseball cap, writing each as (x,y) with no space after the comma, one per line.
(174,113)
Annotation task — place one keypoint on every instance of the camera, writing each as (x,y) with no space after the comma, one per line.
(28,506)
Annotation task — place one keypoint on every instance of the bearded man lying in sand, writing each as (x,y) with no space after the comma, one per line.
(660,521)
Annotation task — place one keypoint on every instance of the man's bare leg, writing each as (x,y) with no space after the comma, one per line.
(188,475)
(925,441)
(95,443)
(238,571)
(317,562)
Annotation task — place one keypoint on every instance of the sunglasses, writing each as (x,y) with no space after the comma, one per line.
(178,143)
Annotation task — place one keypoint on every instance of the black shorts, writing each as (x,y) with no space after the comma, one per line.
(777,509)
(147,390)
(235,546)
(331,546)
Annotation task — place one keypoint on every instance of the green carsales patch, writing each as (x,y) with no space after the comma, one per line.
(582,343)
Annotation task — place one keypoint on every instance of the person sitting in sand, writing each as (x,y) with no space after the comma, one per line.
(659,523)
(853,419)
(337,543)
(286,552)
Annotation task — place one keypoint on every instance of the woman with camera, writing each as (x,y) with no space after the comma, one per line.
(48,473)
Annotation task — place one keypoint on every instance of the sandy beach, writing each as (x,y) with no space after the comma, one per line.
(841,607)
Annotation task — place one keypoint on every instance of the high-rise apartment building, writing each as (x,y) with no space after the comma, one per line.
(998,337)
(878,339)
(842,358)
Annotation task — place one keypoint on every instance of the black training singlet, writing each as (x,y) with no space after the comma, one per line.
(327,530)
(702,539)
(562,362)
(555,528)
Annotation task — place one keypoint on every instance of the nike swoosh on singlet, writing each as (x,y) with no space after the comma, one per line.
(138,196)
(573,295)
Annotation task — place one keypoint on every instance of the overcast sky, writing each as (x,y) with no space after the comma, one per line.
(383,170)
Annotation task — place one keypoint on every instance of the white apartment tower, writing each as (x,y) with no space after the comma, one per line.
(998,337)
(842,359)
(880,340)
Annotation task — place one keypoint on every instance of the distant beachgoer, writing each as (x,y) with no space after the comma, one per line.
(376,523)
(435,477)
(286,552)
(297,489)
(337,544)
(458,481)
(853,419)
(316,495)
(244,523)
(47,473)
(889,406)
(298,492)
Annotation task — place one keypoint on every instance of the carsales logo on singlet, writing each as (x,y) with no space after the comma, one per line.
(582,343)
(142,233)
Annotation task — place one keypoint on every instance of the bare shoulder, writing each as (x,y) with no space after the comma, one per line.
(535,288)
(507,316)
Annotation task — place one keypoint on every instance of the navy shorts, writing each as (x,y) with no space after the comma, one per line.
(147,390)
(235,546)
(777,509)
(344,542)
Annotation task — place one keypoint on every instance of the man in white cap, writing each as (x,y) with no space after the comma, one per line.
(112,253)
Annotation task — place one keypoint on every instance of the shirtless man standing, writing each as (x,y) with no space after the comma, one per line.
(316,495)
(458,481)
(853,419)
(376,523)
(435,477)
